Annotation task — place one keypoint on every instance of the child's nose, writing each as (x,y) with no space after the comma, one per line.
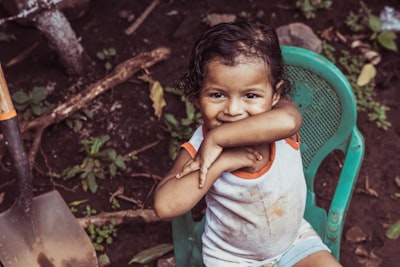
(234,107)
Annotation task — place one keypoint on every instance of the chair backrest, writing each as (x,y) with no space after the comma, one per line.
(327,103)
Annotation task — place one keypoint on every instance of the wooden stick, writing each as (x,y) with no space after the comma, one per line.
(142,17)
(21,56)
(120,74)
(123,216)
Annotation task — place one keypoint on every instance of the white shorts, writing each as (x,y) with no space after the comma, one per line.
(306,243)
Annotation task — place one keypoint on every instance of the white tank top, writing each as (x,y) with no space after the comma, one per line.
(254,216)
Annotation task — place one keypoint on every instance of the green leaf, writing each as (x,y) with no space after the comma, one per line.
(113,170)
(374,23)
(91,179)
(39,94)
(157,96)
(367,74)
(112,155)
(37,110)
(394,231)
(170,120)
(151,254)
(104,260)
(120,162)
(77,202)
(387,40)
(98,143)
(100,55)
(20,97)
(72,172)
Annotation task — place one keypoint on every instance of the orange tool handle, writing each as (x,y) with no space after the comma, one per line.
(7,110)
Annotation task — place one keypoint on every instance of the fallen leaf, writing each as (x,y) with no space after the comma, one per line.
(368,73)
(157,96)
(394,231)
(356,235)
(151,254)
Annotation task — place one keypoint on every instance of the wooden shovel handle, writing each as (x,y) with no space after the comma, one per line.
(7,110)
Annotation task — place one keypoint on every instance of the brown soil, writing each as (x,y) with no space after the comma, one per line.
(126,114)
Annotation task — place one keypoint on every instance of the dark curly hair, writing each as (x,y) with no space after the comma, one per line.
(227,41)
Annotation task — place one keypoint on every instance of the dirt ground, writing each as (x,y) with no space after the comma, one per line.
(125,113)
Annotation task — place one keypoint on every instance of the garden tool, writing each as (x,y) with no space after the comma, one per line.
(36,231)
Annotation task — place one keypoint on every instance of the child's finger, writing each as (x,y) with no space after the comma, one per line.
(189,167)
(255,152)
(202,176)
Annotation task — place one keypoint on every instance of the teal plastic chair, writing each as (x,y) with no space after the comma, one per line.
(327,103)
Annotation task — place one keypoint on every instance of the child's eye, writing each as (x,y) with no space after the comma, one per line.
(217,95)
(251,95)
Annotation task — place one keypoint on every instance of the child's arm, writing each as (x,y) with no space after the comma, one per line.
(283,121)
(174,197)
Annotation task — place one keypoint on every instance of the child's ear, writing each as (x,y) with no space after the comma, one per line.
(196,103)
(277,93)
(275,98)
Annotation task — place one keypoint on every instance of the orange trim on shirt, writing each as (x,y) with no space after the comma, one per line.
(190,149)
(255,175)
(294,143)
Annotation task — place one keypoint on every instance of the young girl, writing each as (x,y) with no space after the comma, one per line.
(246,155)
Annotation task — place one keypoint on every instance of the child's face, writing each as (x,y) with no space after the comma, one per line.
(231,93)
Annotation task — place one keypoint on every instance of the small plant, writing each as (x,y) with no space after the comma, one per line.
(365,94)
(76,120)
(32,103)
(364,20)
(115,204)
(181,130)
(309,7)
(351,67)
(101,235)
(106,55)
(394,230)
(98,163)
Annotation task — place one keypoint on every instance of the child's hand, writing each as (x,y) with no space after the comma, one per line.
(233,158)
(205,157)
(241,157)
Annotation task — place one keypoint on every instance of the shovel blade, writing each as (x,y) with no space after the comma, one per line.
(51,237)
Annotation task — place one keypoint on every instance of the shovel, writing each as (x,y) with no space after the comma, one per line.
(39,231)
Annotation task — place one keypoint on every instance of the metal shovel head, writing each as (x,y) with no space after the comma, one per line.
(49,237)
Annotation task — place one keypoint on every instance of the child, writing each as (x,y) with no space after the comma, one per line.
(254,185)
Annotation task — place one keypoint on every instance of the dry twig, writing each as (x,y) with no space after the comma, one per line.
(119,217)
(120,74)
(142,17)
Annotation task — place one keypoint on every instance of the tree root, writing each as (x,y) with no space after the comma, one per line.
(120,74)
(119,217)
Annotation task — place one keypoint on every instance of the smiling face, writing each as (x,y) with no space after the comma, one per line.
(231,93)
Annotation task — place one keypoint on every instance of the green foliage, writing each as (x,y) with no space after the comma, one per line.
(394,230)
(106,55)
(309,7)
(32,103)
(98,163)
(351,67)
(89,211)
(181,130)
(328,51)
(364,20)
(115,204)
(364,94)
(76,120)
(100,235)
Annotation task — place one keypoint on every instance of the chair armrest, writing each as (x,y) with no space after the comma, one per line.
(344,190)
